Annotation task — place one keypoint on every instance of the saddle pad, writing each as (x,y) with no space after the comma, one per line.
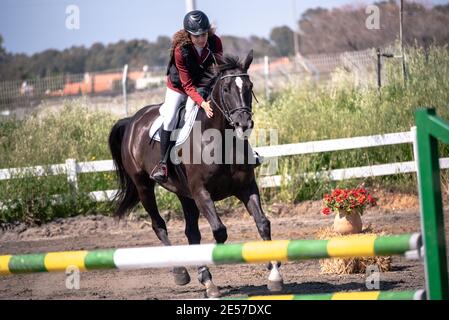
(183,133)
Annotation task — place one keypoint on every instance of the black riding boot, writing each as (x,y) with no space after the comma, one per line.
(259,159)
(160,172)
(256,157)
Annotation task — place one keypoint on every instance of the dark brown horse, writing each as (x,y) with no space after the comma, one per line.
(197,185)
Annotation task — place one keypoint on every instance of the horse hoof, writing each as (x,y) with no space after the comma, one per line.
(182,276)
(213,292)
(275,286)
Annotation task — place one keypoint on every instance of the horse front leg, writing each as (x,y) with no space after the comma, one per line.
(206,206)
(251,199)
(192,232)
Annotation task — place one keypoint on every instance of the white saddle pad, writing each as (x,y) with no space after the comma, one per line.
(183,133)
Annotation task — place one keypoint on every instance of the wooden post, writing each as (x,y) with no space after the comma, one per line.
(267,77)
(401,26)
(124,81)
(72,176)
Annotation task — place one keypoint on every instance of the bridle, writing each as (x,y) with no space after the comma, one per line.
(227,113)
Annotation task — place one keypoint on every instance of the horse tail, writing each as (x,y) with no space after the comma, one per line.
(127,196)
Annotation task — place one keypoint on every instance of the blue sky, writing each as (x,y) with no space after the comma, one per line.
(31,26)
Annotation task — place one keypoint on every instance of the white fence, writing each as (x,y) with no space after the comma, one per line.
(72,168)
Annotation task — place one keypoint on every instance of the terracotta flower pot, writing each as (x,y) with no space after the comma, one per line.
(348,223)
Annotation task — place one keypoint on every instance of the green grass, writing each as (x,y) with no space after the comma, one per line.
(341,109)
(300,113)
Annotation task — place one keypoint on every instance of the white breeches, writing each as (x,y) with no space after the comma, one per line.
(170,107)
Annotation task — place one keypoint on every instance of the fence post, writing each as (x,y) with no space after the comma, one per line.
(72,176)
(124,82)
(379,69)
(266,72)
(414,136)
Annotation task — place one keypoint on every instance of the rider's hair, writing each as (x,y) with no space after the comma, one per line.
(182,38)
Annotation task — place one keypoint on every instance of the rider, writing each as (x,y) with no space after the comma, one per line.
(194,49)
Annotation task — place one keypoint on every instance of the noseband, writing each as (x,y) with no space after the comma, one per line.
(227,113)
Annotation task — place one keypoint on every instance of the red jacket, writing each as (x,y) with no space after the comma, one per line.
(187,84)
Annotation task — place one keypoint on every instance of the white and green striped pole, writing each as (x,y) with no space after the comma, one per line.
(195,255)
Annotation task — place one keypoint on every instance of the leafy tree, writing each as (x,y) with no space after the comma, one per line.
(442,8)
(322,31)
(343,29)
(282,37)
(2,50)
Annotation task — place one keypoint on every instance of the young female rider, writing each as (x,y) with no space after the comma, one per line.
(194,49)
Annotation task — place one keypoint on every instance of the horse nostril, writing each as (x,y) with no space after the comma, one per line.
(250,124)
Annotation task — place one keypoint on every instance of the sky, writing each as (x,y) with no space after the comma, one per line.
(30,26)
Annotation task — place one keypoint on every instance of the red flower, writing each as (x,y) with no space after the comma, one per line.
(347,200)
(362,199)
(371,200)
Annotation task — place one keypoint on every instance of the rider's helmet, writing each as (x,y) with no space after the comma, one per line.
(196,22)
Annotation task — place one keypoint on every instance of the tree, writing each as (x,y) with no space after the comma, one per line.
(282,37)
(323,31)
(343,29)
(2,51)
(442,8)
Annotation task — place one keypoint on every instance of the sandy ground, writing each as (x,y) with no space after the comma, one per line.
(395,214)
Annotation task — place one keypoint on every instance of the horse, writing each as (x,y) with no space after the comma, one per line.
(196,185)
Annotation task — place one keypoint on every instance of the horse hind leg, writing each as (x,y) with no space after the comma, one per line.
(205,278)
(148,199)
(275,281)
(192,232)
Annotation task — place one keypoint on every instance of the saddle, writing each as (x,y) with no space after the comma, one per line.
(185,119)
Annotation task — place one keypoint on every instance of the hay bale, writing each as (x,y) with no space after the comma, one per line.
(351,265)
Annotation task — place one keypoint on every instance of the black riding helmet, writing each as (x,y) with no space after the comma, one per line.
(196,22)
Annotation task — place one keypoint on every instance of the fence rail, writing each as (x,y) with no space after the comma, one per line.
(72,168)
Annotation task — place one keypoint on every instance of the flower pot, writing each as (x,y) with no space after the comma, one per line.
(345,223)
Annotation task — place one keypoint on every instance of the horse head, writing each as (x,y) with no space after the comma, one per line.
(232,94)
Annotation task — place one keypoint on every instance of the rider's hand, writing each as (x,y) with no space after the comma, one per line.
(206,106)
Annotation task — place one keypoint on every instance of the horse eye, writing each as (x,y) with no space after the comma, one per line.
(226,90)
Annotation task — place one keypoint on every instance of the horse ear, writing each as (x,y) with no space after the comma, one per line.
(216,66)
(219,58)
(248,60)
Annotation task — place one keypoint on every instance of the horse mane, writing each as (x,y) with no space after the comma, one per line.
(228,62)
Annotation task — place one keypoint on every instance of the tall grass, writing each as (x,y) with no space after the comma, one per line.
(51,138)
(343,109)
(300,113)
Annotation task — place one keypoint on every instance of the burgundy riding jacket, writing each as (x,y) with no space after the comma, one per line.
(183,58)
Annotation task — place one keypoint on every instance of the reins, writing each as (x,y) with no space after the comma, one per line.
(227,113)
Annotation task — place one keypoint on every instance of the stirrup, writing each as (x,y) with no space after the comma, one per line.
(160,172)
